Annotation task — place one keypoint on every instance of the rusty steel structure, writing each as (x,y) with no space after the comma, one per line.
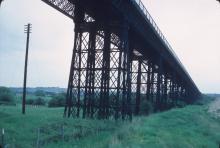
(120,59)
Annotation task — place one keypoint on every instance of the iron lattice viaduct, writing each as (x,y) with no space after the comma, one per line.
(120,59)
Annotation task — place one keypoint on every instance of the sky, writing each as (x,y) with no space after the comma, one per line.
(190,26)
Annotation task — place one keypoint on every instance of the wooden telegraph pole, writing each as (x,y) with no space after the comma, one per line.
(0,2)
(27,30)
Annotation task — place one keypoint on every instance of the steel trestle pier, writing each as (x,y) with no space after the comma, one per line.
(120,61)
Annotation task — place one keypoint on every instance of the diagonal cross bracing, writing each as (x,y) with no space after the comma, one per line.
(121,62)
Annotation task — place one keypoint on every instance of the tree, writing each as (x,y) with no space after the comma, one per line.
(40,93)
(6,95)
(58,100)
(39,101)
(30,101)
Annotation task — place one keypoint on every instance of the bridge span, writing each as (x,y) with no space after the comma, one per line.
(120,60)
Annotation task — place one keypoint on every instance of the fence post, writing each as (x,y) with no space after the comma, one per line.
(3,133)
(62,132)
(38,138)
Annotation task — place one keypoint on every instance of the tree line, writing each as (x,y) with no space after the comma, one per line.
(8,97)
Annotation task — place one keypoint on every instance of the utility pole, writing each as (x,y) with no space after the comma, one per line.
(27,30)
(0,2)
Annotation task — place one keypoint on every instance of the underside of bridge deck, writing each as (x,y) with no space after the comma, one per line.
(114,69)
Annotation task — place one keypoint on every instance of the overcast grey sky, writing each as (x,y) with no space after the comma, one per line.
(191,26)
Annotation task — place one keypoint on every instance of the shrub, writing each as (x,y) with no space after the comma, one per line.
(180,104)
(39,101)
(146,107)
(6,95)
(40,93)
(57,101)
(204,99)
(30,102)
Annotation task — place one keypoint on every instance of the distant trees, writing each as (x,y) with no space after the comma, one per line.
(6,95)
(58,100)
(40,93)
(38,101)
(30,101)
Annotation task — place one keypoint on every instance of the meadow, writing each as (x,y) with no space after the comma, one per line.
(189,127)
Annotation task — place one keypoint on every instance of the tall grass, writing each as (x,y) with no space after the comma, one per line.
(188,127)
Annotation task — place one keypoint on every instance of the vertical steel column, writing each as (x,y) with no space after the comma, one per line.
(152,90)
(165,92)
(149,72)
(126,95)
(159,77)
(138,91)
(182,93)
(79,16)
(77,49)
(171,90)
(178,92)
(78,105)
(118,96)
(107,47)
(89,86)
(104,94)
(175,90)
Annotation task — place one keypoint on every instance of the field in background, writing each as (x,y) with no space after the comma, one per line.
(188,127)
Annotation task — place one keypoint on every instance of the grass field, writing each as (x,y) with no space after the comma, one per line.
(189,127)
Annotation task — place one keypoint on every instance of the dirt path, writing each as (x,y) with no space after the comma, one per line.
(214,108)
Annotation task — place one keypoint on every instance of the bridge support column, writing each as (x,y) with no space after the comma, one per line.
(164,92)
(159,84)
(99,82)
(139,77)
(138,91)
(171,92)
(149,85)
(153,85)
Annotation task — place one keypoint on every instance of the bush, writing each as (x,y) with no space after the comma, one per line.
(6,95)
(30,102)
(39,101)
(180,104)
(40,93)
(57,101)
(204,99)
(146,107)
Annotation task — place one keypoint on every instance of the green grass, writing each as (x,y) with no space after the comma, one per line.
(189,127)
